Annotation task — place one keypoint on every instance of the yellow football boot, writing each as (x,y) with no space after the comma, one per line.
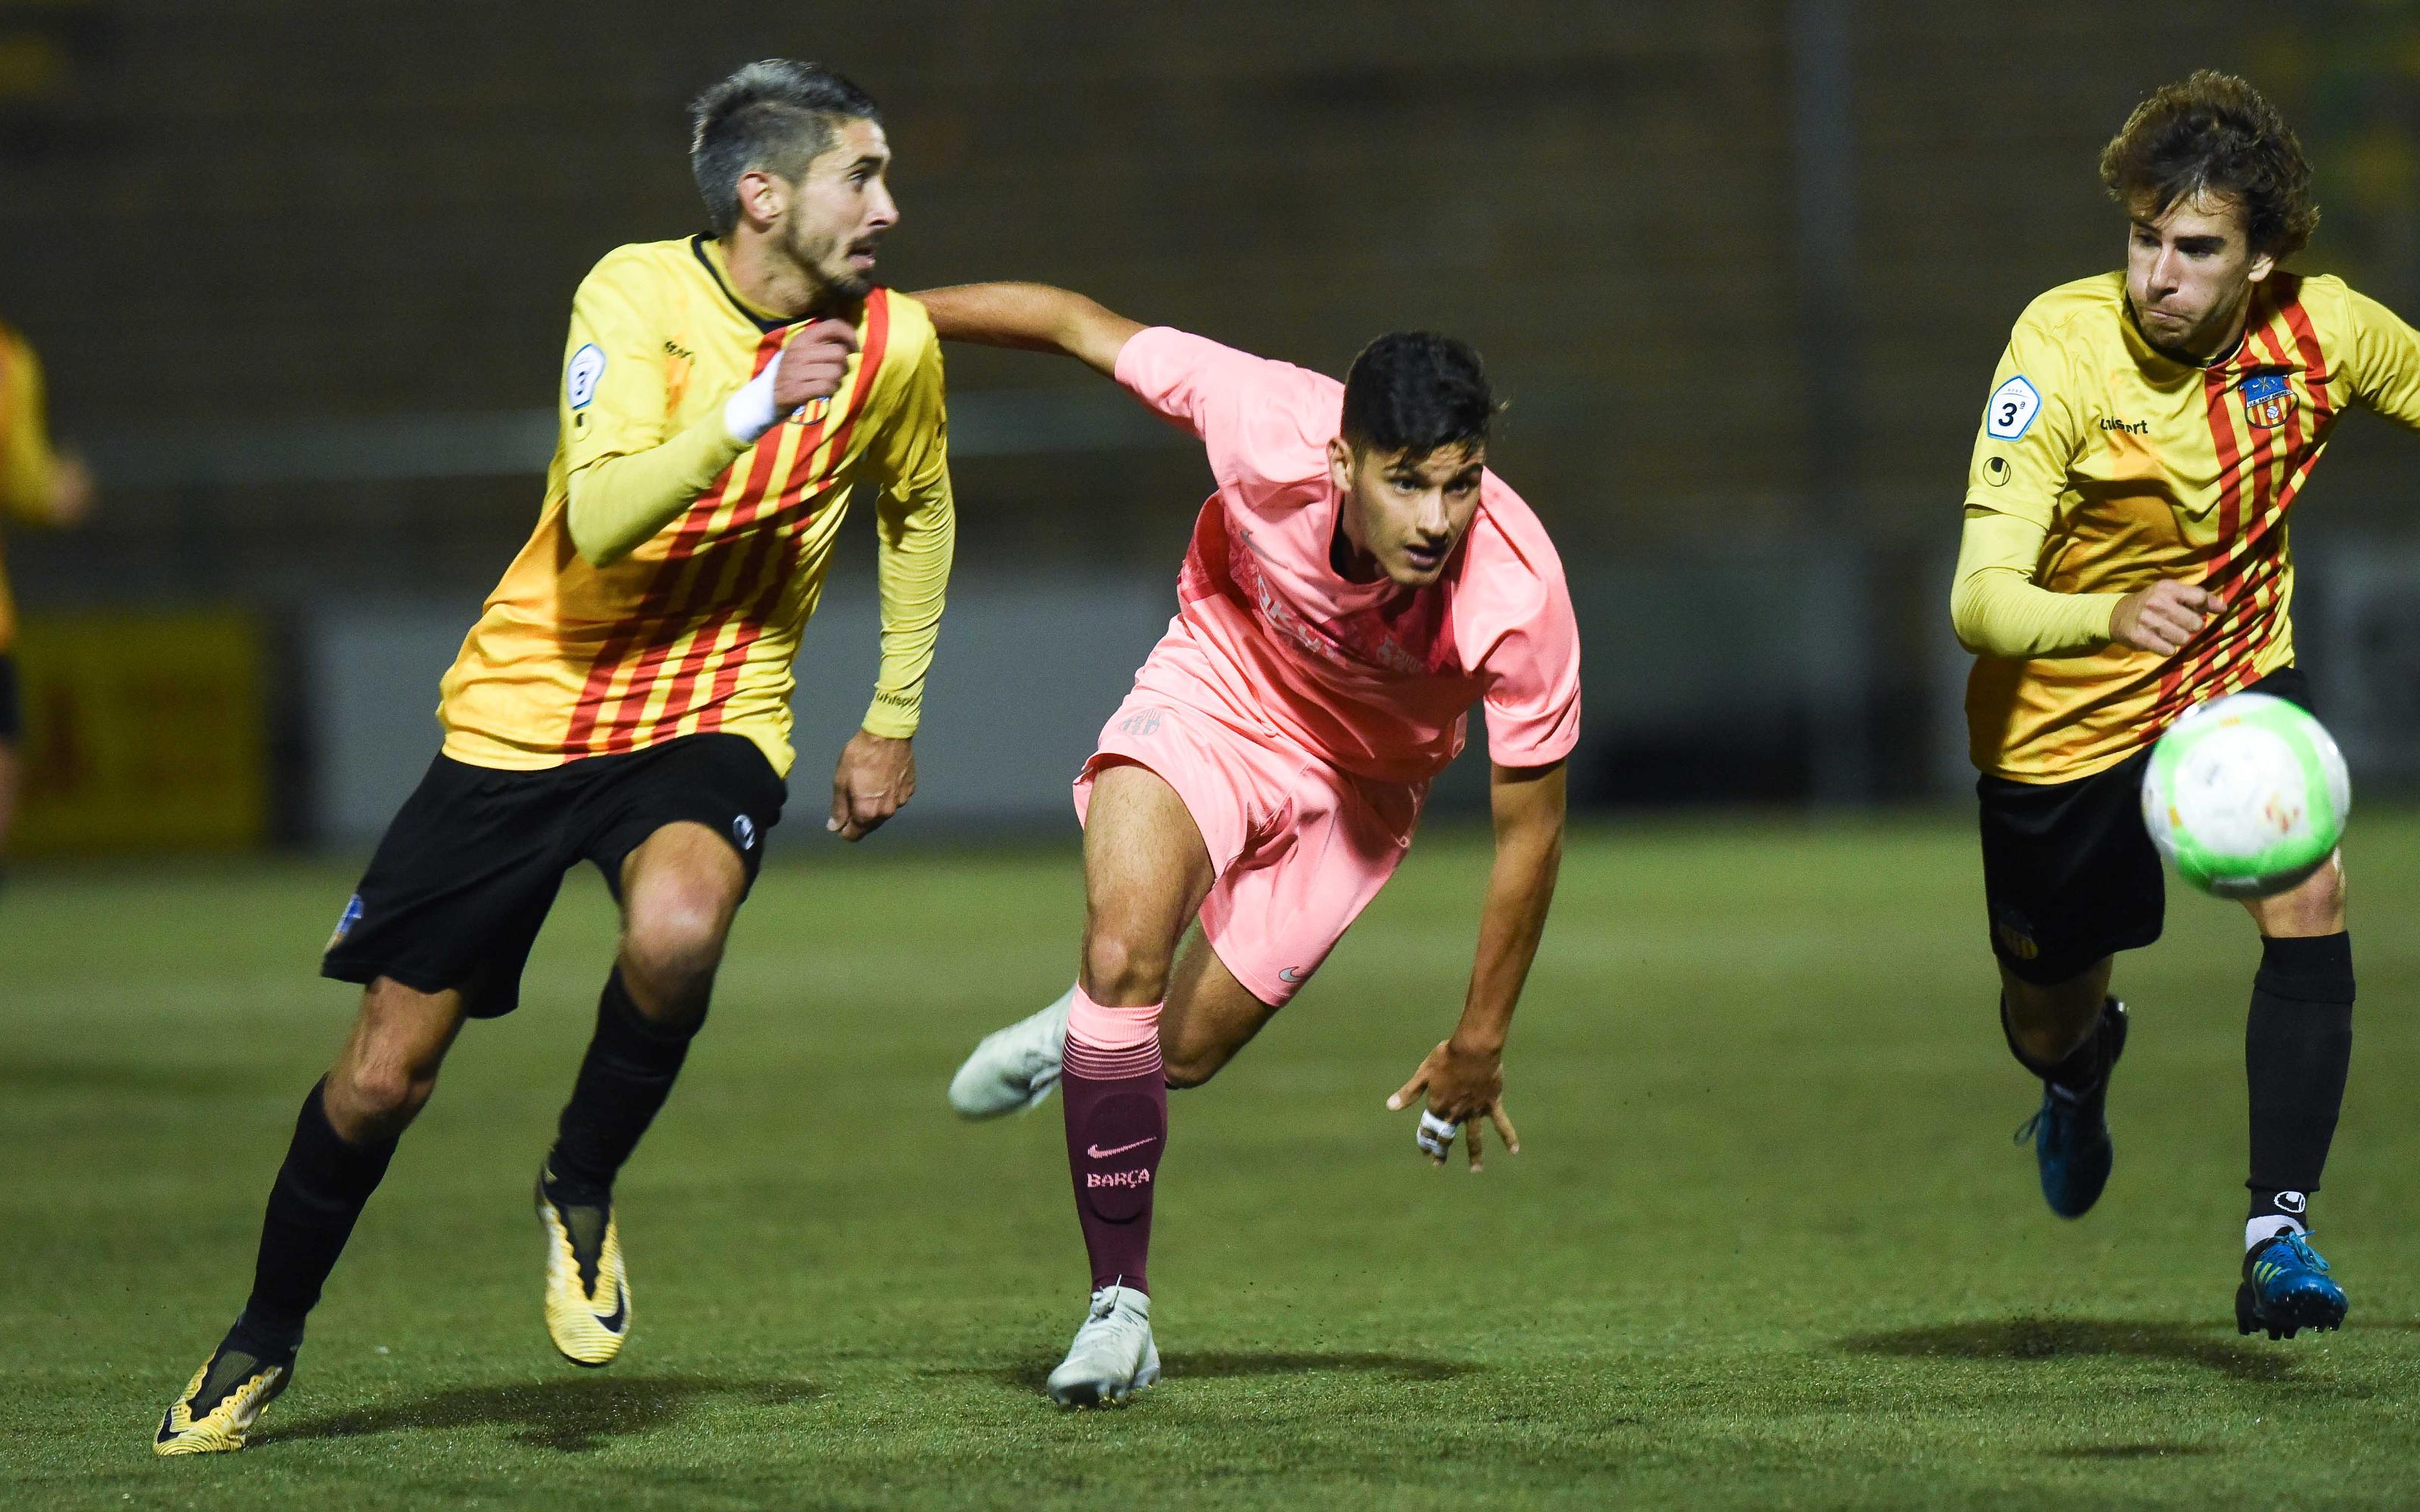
(587,1297)
(223,1402)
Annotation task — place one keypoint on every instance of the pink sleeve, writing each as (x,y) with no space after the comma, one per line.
(1530,663)
(1252,415)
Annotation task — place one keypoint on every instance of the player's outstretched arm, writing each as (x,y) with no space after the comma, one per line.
(1464,1076)
(1032,318)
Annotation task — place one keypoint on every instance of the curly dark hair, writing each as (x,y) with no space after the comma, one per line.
(2215,133)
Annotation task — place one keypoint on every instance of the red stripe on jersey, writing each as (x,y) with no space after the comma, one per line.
(727,676)
(789,523)
(675,580)
(2252,575)
(2222,435)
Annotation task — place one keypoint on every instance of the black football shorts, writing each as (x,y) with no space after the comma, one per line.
(2069,873)
(457,889)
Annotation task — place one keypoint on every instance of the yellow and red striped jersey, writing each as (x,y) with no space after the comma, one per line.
(25,458)
(2141,467)
(696,629)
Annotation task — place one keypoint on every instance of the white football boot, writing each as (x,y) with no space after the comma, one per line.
(1015,1068)
(1113,1355)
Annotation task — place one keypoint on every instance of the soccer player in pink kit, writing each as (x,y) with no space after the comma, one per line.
(1358,580)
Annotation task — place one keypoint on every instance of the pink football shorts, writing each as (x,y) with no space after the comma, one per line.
(1299,847)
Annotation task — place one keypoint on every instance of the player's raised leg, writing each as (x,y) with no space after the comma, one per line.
(1146,870)
(2297,1048)
(680,889)
(346,1134)
(2069,1034)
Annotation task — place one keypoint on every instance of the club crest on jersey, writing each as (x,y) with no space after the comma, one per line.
(811,413)
(2267,400)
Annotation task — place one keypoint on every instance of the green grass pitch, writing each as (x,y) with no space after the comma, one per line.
(1769,1243)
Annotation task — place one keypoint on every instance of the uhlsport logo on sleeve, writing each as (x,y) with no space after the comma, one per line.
(2267,400)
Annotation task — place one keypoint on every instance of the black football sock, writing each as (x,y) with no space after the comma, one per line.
(626,1076)
(319,1191)
(2079,1073)
(2297,1044)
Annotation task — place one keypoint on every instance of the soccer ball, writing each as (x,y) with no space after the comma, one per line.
(2246,795)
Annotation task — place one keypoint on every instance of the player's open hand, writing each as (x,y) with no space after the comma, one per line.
(875,778)
(2161,618)
(813,364)
(1464,1088)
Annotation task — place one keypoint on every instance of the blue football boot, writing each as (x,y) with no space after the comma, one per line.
(2071,1130)
(2286,1288)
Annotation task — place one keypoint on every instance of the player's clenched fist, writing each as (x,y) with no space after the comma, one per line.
(813,364)
(2161,618)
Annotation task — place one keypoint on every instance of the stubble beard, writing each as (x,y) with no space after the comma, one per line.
(844,286)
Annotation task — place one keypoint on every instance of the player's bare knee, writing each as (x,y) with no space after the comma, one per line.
(376,1097)
(1182,1067)
(1119,969)
(671,947)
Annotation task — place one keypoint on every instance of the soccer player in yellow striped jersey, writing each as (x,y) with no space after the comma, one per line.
(2125,558)
(38,486)
(624,698)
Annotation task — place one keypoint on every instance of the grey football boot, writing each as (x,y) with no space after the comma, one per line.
(1015,1068)
(1112,1356)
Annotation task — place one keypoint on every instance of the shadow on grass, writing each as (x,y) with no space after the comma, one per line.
(573,1415)
(2132,1451)
(1230,1364)
(2021,1340)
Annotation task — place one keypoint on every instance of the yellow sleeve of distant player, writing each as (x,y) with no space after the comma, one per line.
(2385,360)
(2030,439)
(916,535)
(627,479)
(27,472)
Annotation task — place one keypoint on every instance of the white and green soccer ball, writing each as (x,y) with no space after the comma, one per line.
(2246,795)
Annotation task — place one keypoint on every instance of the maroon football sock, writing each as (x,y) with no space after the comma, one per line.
(1117,1125)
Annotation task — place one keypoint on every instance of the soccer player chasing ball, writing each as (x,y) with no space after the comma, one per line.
(1358,580)
(2124,559)
(625,698)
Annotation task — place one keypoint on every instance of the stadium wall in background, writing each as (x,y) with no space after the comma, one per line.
(1741,268)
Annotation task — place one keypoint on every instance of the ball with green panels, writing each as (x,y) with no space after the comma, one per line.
(2246,795)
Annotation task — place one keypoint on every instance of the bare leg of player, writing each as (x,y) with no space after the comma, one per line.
(1210,1015)
(1146,872)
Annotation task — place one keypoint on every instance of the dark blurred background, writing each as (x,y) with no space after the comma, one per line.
(300,273)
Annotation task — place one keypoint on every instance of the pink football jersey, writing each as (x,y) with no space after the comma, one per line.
(1371,678)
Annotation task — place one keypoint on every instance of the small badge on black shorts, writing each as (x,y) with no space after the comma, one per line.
(352,915)
(2016,935)
(743,830)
